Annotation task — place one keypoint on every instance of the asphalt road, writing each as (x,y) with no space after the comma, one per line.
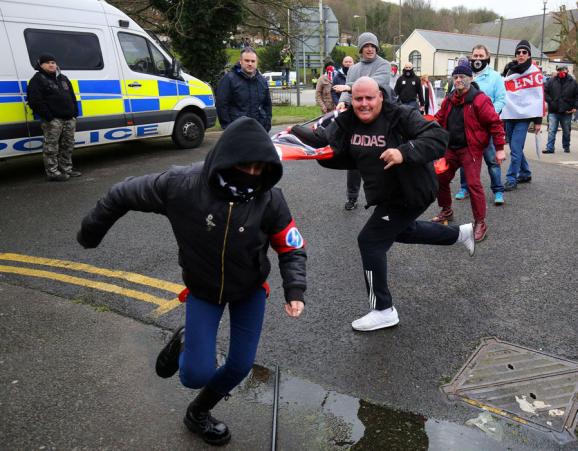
(520,287)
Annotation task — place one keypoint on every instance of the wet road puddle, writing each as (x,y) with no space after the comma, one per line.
(313,418)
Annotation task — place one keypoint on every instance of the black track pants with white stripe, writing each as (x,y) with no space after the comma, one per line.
(386,226)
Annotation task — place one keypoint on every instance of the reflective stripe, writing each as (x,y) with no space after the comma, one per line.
(101,97)
(9,87)
(102,106)
(12,112)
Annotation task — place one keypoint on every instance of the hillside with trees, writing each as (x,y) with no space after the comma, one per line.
(200,30)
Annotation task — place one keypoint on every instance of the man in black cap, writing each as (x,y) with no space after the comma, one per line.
(51,98)
(562,97)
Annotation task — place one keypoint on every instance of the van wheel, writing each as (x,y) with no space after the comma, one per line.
(189,131)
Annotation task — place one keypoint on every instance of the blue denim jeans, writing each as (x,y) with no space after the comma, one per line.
(197,361)
(565,121)
(516,135)
(494,170)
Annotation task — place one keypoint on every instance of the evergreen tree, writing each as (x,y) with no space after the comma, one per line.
(199,31)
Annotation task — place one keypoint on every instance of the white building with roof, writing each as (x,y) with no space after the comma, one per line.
(436,53)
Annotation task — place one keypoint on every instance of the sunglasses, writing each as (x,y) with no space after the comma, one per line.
(522,52)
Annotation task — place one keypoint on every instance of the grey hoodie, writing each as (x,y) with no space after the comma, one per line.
(378,68)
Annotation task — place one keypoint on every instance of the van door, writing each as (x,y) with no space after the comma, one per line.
(83,54)
(12,102)
(150,90)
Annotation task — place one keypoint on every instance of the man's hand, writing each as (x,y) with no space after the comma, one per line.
(537,128)
(341,106)
(294,308)
(500,156)
(392,157)
(341,88)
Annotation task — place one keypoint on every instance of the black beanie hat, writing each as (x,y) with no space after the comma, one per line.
(523,44)
(463,69)
(46,57)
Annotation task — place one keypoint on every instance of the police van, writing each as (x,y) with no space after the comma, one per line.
(127,86)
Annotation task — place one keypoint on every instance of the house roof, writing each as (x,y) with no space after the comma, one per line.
(464,43)
(529,28)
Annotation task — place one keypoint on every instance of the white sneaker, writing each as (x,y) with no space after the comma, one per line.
(467,238)
(376,319)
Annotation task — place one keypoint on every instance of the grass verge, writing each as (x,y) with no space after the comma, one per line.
(294,114)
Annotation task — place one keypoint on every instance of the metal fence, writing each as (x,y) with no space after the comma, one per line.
(280,96)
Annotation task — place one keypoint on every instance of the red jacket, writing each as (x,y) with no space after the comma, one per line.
(480,119)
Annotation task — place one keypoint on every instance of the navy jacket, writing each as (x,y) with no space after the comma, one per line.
(338,79)
(239,95)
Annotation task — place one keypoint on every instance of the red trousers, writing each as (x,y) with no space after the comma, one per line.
(472,167)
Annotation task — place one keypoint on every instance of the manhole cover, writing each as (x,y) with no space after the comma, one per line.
(523,385)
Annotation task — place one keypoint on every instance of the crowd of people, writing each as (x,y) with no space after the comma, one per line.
(226,212)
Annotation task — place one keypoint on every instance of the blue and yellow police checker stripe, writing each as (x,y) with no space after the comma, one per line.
(108,97)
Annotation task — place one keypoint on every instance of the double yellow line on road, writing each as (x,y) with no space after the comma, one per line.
(163,305)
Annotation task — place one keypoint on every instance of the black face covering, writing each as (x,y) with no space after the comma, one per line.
(240,179)
(345,70)
(479,65)
(408,73)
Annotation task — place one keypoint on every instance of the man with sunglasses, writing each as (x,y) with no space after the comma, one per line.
(562,98)
(524,83)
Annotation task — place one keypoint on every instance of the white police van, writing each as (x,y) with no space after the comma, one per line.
(127,86)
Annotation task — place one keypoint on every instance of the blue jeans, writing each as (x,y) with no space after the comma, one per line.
(494,170)
(565,120)
(516,134)
(197,361)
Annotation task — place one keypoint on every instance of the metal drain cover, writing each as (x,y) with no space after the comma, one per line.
(523,385)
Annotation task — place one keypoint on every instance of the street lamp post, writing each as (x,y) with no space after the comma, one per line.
(501,19)
(542,40)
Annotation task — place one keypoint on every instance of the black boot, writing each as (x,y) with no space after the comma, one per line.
(168,359)
(199,420)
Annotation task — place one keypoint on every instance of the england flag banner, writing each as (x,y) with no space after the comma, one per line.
(524,94)
(289,147)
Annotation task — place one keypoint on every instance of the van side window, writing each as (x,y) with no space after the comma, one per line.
(142,56)
(73,50)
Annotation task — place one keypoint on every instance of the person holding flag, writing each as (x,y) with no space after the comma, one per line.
(524,104)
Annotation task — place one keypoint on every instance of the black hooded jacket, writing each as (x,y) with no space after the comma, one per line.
(52,96)
(222,241)
(412,184)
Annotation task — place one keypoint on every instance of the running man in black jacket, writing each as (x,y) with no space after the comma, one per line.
(393,148)
(224,213)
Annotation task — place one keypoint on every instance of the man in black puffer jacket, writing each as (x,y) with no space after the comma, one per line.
(224,214)
(51,98)
(375,132)
(561,93)
(244,92)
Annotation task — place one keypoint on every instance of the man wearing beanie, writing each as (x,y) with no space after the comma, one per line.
(524,104)
(370,65)
(51,98)
(491,84)
(408,88)
(471,120)
(225,213)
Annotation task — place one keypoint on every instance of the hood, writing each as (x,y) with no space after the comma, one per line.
(244,141)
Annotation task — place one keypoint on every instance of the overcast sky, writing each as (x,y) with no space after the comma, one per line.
(508,9)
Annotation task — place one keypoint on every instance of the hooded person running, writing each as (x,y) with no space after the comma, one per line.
(224,213)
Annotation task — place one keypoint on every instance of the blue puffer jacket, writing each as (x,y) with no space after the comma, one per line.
(492,84)
(240,95)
